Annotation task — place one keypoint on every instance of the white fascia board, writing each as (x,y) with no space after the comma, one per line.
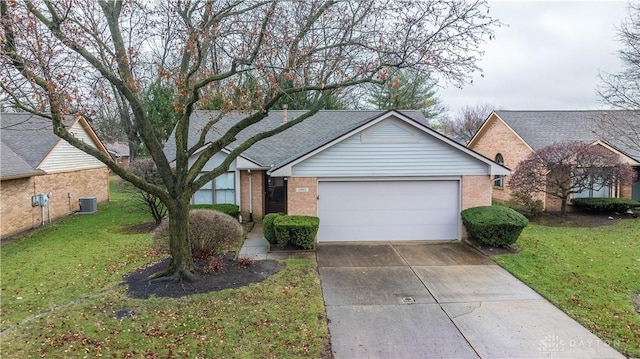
(246,164)
(281,172)
(499,170)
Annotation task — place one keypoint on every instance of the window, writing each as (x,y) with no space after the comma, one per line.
(498,180)
(225,188)
(220,190)
(597,191)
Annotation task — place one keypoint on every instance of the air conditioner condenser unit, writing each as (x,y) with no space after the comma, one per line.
(88,205)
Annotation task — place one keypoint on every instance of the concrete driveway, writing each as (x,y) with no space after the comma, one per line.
(423,300)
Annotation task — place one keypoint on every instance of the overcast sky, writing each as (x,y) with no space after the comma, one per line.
(546,57)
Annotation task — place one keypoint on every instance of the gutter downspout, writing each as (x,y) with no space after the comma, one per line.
(250,197)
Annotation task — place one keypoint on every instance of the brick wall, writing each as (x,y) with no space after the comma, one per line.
(476,191)
(302,203)
(496,138)
(257,192)
(15,202)
(16,213)
(626,190)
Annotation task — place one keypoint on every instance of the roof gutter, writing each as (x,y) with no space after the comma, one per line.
(24,175)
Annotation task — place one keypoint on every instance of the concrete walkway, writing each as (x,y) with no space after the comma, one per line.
(440,301)
(258,248)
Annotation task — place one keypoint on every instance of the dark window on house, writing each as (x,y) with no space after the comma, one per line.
(498,180)
(597,190)
(220,190)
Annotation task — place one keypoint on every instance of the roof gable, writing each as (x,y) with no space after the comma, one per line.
(29,136)
(65,156)
(401,139)
(13,166)
(29,140)
(287,145)
(487,125)
(542,128)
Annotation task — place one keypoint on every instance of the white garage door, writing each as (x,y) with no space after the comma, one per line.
(388,210)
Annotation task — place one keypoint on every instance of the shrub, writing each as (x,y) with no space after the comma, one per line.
(604,205)
(494,225)
(213,264)
(524,204)
(211,232)
(268,226)
(146,168)
(231,209)
(297,230)
(244,262)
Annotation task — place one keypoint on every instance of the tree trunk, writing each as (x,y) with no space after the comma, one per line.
(182,266)
(563,206)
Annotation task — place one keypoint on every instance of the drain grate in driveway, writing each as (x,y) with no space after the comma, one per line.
(408,300)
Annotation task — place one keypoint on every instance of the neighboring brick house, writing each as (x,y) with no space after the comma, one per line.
(368,175)
(508,137)
(34,161)
(119,151)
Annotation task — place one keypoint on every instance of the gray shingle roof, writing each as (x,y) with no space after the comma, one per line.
(290,144)
(26,140)
(542,128)
(118,148)
(13,166)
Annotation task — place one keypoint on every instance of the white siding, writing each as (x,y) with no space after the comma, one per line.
(66,157)
(390,148)
(214,162)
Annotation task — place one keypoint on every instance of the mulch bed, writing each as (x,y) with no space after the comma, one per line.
(231,276)
(578,219)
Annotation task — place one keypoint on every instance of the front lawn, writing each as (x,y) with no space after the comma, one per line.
(592,274)
(75,267)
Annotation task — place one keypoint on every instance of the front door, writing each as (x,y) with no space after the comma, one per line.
(635,187)
(275,195)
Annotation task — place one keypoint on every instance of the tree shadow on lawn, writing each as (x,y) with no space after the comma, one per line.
(232,274)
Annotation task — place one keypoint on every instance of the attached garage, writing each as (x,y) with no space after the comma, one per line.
(388,210)
(388,179)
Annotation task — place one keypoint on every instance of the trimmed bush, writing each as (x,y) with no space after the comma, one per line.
(604,205)
(297,230)
(211,232)
(231,209)
(268,226)
(497,226)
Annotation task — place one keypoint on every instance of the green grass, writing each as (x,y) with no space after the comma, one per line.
(85,257)
(70,259)
(592,274)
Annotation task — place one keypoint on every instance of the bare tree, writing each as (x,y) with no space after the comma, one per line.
(565,168)
(464,125)
(622,90)
(52,51)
